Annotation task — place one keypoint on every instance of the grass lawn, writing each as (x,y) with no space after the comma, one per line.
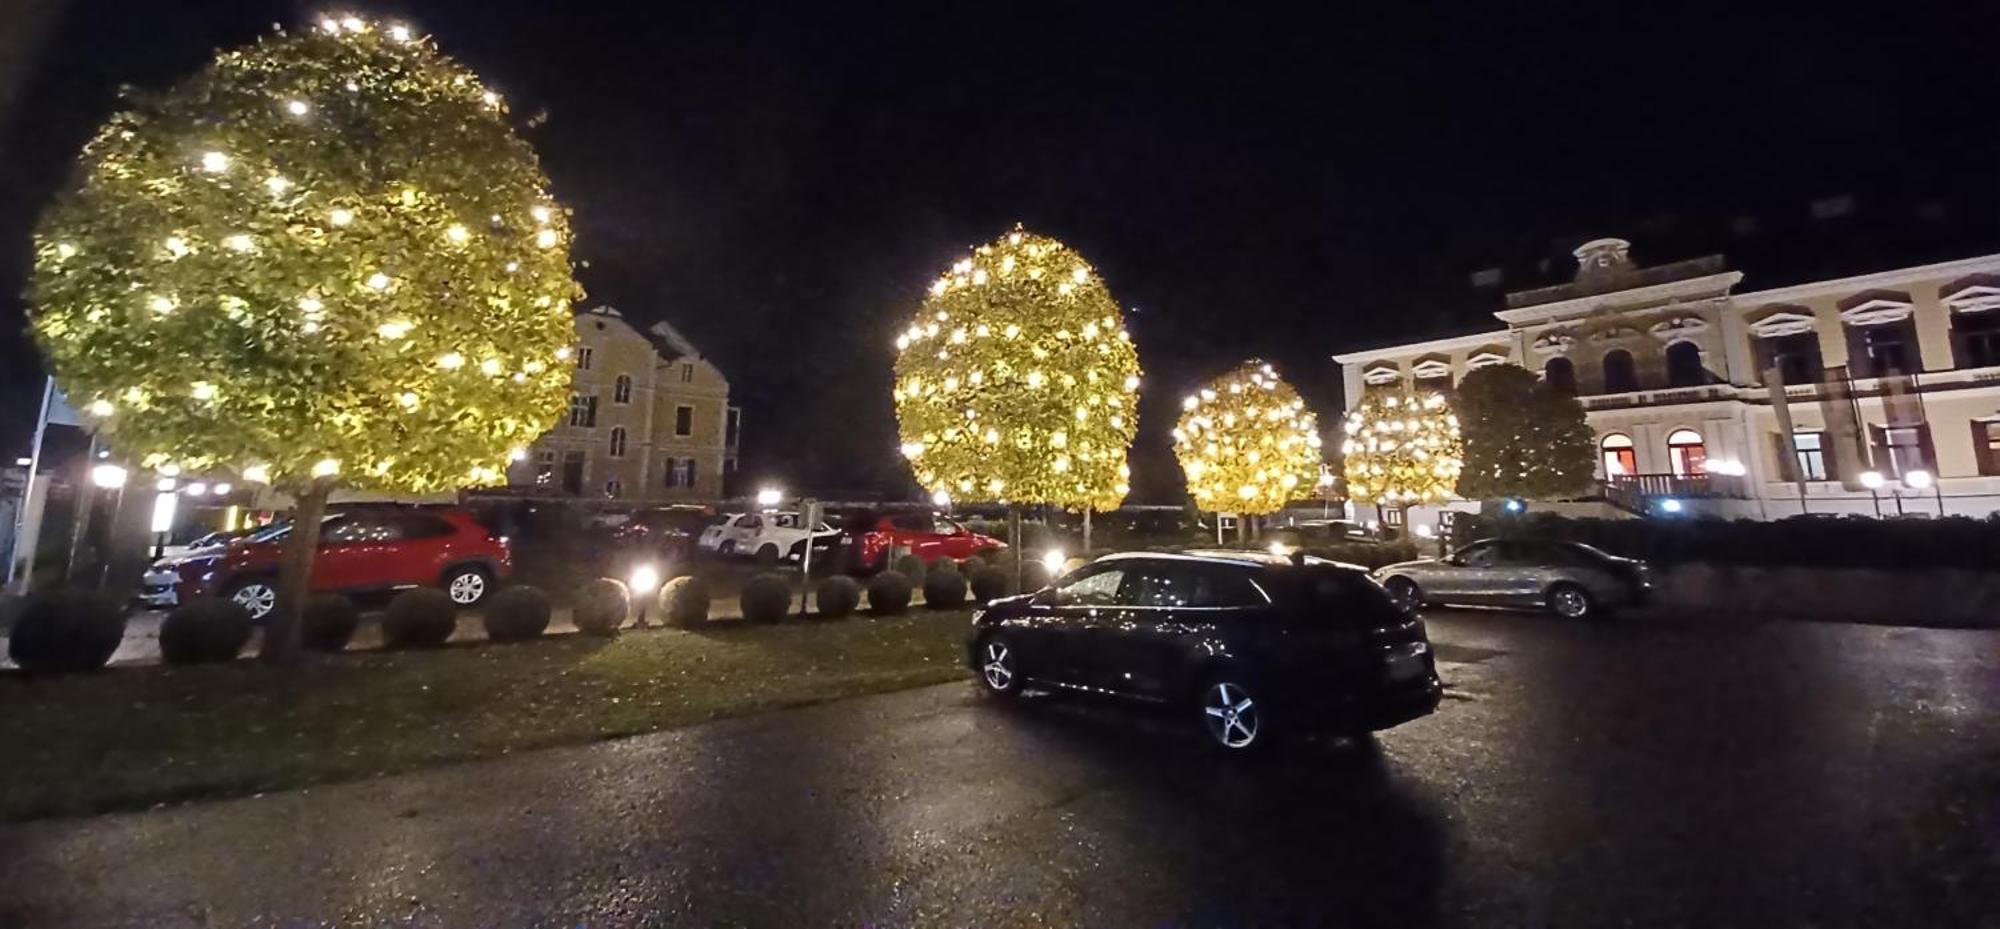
(132,737)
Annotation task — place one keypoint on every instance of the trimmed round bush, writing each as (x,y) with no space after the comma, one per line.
(944,588)
(602,606)
(766,599)
(888,593)
(516,614)
(972,565)
(420,618)
(838,596)
(990,584)
(684,602)
(328,622)
(66,630)
(202,630)
(912,567)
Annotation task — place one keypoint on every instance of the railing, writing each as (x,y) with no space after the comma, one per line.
(1661,397)
(1640,487)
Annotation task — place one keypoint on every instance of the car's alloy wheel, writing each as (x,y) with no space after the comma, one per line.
(1404,591)
(1569,601)
(997,667)
(466,587)
(1233,717)
(257,598)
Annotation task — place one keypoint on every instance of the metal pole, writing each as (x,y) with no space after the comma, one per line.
(1875,497)
(1939,491)
(81,499)
(14,554)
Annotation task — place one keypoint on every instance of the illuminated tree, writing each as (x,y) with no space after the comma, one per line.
(1016,380)
(1401,448)
(324,259)
(1522,437)
(1247,443)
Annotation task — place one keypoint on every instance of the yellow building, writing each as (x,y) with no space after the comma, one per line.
(1890,382)
(649,420)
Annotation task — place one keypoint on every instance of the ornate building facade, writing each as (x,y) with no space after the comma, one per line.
(1878,392)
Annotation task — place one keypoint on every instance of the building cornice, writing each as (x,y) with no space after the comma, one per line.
(1872,281)
(1709,285)
(1475,340)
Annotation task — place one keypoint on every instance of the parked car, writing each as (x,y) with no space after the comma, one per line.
(1247,643)
(927,535)
(360,550)
(1570,579)
(665,532)
(768,537)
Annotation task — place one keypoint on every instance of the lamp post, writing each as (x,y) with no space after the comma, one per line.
(1873,481)
(109,477)
(644,578)
(1920,479)
(770,497)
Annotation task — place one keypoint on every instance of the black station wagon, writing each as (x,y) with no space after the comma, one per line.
(1255,645)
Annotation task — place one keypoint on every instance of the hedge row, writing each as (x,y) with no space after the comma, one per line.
(1799,541)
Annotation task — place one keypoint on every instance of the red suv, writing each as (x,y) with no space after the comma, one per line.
(929,536)
(359,550)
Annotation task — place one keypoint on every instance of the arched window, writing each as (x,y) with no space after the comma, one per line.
(1684,365)
(1560,376)
(621,389)
(1620,459)
(1686,454)
(1619,374)
(618,442)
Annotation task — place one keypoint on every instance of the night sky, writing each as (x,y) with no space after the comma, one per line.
(782,181)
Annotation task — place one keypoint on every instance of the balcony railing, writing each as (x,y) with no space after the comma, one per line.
(1644,486)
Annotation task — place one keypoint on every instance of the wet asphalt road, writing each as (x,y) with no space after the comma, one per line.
(1635,774)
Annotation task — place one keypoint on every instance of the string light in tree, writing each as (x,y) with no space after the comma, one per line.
(1016,380)
(1401,447)
(1247,443)
(256,264)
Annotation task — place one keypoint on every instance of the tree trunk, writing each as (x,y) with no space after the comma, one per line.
(1243,529)
(281,634)
(1014,542)
(1086,533)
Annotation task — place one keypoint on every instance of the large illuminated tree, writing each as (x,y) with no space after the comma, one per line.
(1016,380)
(326,259)
(1247,443)
(1523,438)
(1401,448)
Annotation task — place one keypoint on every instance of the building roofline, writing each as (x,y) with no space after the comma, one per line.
(1541,312)
(1473,340)
(1871,280)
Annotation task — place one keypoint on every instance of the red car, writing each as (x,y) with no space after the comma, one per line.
(360,550)
(929,536)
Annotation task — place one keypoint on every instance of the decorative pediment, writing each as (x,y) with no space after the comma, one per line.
(1383,373)
(1973,298)
(1875,311)
(1674,327)
(1554,340)
(1782,323)
(1615,333)
(1484,359)
(1431,367)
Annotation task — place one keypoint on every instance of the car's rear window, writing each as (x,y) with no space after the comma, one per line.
(1342,593)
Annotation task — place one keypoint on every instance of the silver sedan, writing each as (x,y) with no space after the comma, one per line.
(1569,579)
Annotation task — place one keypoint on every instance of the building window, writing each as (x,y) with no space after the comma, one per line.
(732,428)
(545,467)
(673,473)
(583,358)
(1810,448)
(1902,449)
(1684,368)
(1620,376)
(583,410)
(687,372)
(612,487)
(1986,445)
(683,421)
(687,473)
(618,442)
(1619,456)
(1796,357)
(1686,454)
(621,389)
(1560,376)
(1975,339)
(572,472)
(1883,350)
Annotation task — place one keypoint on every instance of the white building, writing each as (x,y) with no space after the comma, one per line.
(1893,374)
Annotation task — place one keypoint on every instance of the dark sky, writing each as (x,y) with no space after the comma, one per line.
(781,181)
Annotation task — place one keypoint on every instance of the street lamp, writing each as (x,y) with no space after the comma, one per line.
(941,500)
(108,476)
(1873,481)
(1921,479)
(770,497)
(644,578)
(1052,562)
